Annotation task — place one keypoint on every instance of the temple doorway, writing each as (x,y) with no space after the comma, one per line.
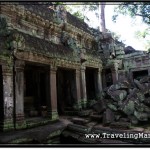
(36,84)
(66,90)
(91,82)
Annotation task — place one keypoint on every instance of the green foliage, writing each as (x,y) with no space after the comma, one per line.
(79,15)
(133,9)
(91,102)
(57,3)
(80,9)
(142,34)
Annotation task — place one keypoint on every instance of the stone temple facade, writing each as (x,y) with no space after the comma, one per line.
(53,64)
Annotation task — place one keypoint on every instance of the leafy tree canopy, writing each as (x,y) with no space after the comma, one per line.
(134,9)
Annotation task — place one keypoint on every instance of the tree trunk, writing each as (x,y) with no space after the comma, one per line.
(102,16)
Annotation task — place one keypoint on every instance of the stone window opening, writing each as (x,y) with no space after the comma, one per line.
(140,74)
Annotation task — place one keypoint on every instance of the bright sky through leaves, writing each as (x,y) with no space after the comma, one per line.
(125,26)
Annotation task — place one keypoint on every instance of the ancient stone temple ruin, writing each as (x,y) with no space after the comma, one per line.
(49,61)
(54,64)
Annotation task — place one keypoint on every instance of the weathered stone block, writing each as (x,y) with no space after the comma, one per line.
(112,107)
(133,120)
(108,117)
(141,116)
(84,113)
(79,121)
(117,117)
(118,95)
(6,125)
(120,125)
(145,80)
(95,117)
(140,96)
(139,85)
(78,128)
(100,106)
(54,115)
(132,93)
(147,101)
(128,108)
(140,107)
(120,86)
(124,120)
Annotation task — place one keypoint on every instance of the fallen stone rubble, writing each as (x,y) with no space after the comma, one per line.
(124,107)
(125,102)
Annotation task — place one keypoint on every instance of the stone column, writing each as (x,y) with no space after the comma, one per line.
(83,86)
(114,70)
(53,93)
(19,95)
(99,82)
(78,90)
(104,79)
(130,75)
(7,122)
(149,71)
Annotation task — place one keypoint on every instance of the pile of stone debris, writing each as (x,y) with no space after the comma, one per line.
(125,103)
(124,107)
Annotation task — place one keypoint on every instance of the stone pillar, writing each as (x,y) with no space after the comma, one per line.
(6,121)
(130,74)
(99,82)
(83,86)
(114,70)
(19,95)
(149,71)
(104,79)
(53,93)
(78,90)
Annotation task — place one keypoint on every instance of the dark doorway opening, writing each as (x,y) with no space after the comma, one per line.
(66,90)
(140,74)
(35,90)
(91,82)
(1,96)
(108,77)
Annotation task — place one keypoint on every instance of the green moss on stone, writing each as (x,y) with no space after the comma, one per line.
(21,140)
(53,134)
(22,126)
